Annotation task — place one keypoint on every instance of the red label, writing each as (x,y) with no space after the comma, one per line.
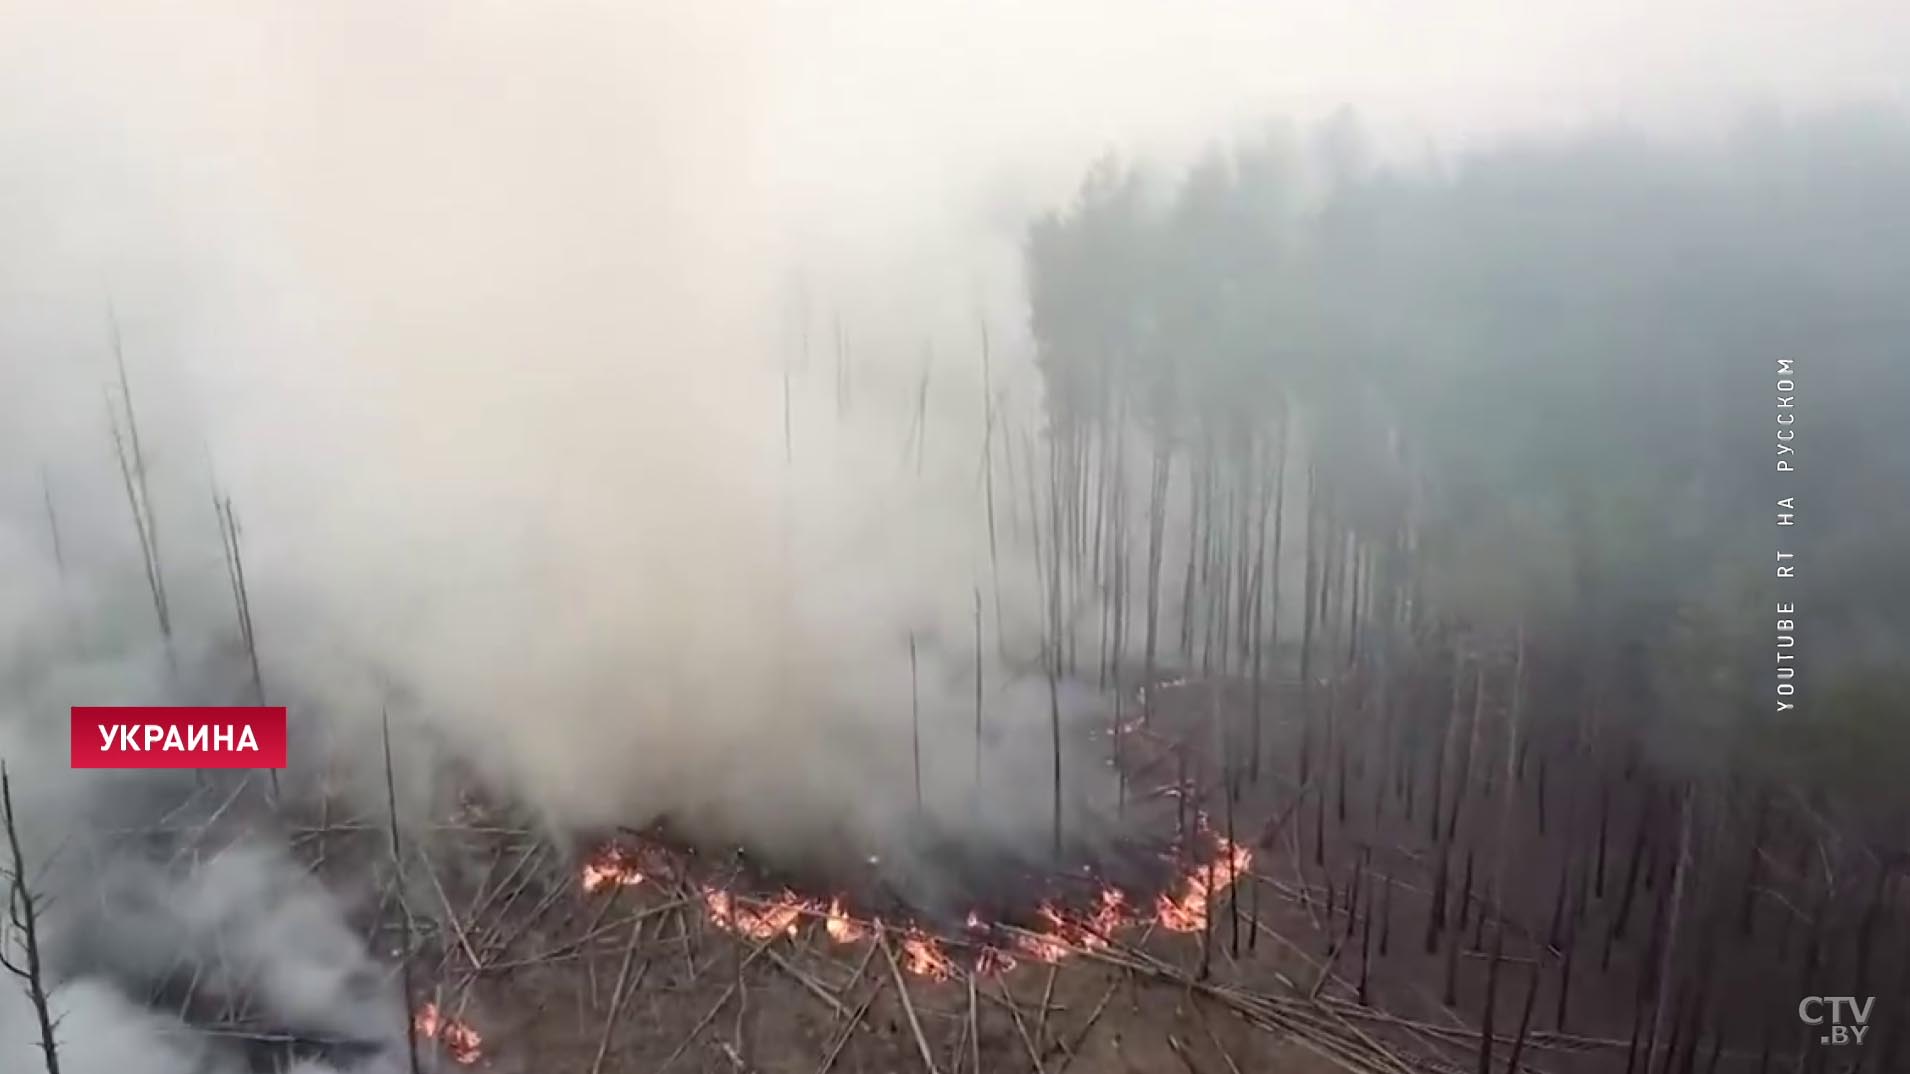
(204,737)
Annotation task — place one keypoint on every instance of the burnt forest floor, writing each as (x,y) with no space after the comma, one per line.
(1320,957)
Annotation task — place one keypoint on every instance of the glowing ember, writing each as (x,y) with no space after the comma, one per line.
(612,865)
(1042,948)
(990,962)
(776,918)
(841,927)
(922,956)
(460,1041)
(1112,914)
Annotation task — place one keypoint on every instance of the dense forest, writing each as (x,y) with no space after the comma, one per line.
(1503,435)
(1532,391)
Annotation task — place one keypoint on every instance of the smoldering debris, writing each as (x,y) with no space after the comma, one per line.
(244,931)
(236,963)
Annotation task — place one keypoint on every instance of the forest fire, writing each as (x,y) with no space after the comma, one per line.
(923,956)
(841,927)
(1182,908)
(612,865)
(460,1041)
(1202,885)
(780,916)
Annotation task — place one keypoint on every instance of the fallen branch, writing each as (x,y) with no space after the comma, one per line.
(716,1008)
(848,1030)
(908,1005)
(618,994)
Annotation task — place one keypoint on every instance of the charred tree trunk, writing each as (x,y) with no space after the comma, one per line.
(1308,602)
(1156,524)
(23,918)
(1436,918)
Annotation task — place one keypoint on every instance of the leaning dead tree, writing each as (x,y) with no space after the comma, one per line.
(235,576)
(23,929)
(132,471)
(404,908)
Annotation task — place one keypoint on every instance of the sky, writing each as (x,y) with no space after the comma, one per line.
(931,94)
(846,125)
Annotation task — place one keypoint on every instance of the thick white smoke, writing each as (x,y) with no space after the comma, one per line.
(489,338)
(486,336)
(511,331)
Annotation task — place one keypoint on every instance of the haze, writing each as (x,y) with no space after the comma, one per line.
(509,329)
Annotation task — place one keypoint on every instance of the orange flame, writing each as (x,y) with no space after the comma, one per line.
(1111,915)
(1203,883)
(461,1042)
(612,865)
(776,918)
(841,927)
(1042,948)
(922,956)
(1183,908)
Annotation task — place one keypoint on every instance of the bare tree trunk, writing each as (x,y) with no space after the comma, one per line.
(404,908)
(133,502)
(988,488)
(1515,718)
(1156,526)
(241,599)
(1353,602)
(53,523)
(1675,912)
(1463,788)
(1114,582)
(1103,492)
(1034,525)
(1196,492)
(1271,641)
(242,606)
(1054,653)
(148,524)
(1436,917)
(1639,839)
(23,914)
(978,693)
(921,411)
(1308,602)
(915,722)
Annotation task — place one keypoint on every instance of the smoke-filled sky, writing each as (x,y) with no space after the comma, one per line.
(480,312)
(859,118)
